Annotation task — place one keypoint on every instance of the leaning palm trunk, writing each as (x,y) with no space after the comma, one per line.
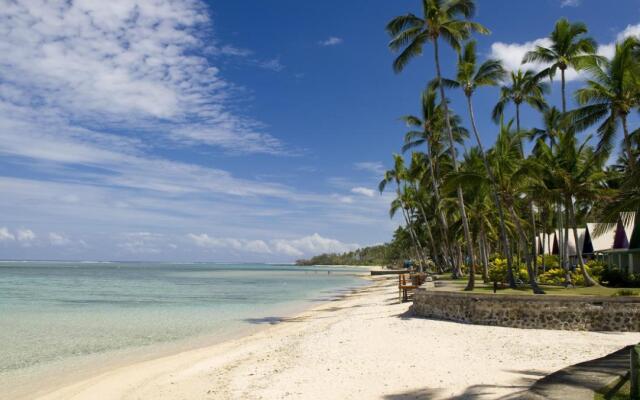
(566,237)
(494,197)
(483,253)
(523,240)
(463,213)
(534,252)
(588,280)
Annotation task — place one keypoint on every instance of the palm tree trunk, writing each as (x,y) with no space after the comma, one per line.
(444,227)
(463,213)
(565,246)
(561,244)
(484,254)
(523,240)
(429,234)
(534,253)
(627,142)
(588,280)
(544,246)
(564,94)
(414,237)
(494,196)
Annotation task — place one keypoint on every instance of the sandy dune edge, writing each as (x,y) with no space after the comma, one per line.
(359,347)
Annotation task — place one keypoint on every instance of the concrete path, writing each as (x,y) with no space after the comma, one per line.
(578,382)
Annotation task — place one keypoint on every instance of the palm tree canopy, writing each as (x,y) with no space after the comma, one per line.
(554,121)
(611,93)
(440,18)
(470,76)
(569,48)
(525,87)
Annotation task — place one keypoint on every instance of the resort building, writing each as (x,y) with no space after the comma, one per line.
(625,249)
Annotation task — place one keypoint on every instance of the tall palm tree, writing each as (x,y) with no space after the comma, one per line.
(410,33)
(525,87)
(430,126)
(611,94)
(575,173)
(569,48)
(514,178)
(469,77)
(397,175)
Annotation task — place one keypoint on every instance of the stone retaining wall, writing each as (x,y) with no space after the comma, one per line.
(589,313)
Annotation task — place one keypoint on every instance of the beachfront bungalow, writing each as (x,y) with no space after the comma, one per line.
(625,252)
(544,243)
(571,243)
(598,240)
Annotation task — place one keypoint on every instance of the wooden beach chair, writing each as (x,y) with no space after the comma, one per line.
(404,286)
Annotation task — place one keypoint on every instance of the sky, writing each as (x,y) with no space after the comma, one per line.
(245,130)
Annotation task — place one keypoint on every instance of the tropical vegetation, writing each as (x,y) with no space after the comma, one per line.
(469,209)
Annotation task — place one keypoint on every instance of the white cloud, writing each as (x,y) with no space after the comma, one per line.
(143,243)
(137,64)
(363,191)
(273,64)
(374,167)
(25,235)
(570,3)
(511,54)
(331,41)
(312,245)
(608,50)
(307,245)
(252,246)
(5,235)
(58,239)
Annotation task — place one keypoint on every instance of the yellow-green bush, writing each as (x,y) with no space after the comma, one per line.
(550,261)
(498,271)
(556,276)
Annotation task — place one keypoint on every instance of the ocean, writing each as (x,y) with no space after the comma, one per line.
(58,317)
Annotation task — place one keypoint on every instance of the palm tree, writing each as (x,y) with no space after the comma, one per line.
(611,94)
(410,33)
(469,77)
(575,173)
(569,48)
(526,88)
(397,175)
(514,178)
(431,125)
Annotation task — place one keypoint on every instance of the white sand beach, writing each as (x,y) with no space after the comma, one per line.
(362,346)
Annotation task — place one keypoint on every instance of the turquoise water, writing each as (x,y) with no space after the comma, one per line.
(53,311)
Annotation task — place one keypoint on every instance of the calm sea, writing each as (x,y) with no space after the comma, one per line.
(61,313)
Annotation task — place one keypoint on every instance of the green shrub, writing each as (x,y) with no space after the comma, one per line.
(549,261)
(595,269)
(615,277)
(553,276)
(498,271)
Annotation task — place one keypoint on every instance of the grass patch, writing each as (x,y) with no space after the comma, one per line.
(623,394)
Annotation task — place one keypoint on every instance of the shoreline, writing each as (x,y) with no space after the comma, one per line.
(360,345)
(59,374)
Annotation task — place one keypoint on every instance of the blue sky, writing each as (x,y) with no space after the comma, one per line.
(223,130)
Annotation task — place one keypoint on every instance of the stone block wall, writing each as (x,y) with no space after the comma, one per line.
(587,313)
